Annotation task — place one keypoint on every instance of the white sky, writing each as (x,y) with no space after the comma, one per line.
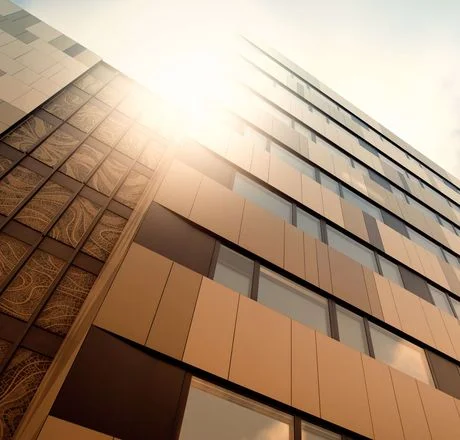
(397,60)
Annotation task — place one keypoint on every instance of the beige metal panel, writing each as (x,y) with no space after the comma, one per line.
(294,258)
(438,329)
(414,258)
(58,429)
(171,324)
(218,209)
(441,413)
(342,169)
(372,293)
(305,386)
(390,313)
(357,181)
(332,207)
(262,233)
(261,357)
(386,420)
(410,407)
(433,264)
(321,157)
(354,220)
(240,151)
(311,260)
(210,339)
(144,274)
(343,396)
(259,164)
(451,276)
(393,243)
(413,320)
(311,194)
(453,328)
(179,188)
(375,191)
(453,240)
(285,178)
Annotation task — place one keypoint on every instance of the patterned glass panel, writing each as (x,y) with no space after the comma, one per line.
(4,347)
(54,149)
(152,155)
(82,162)
(66,103)
(30,285)
(133,142)
(11,253)
(28,134)
(110,95)
(111,130)
(89,84)
(132,189)
(44,206)
(88,116)
(104,236)
(62,308)
(5,164)
(108,175)
(18,385)
(15,187)
(75,221)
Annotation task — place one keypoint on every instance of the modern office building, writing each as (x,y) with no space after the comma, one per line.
(287,269)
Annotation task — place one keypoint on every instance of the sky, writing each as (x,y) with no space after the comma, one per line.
(397,60)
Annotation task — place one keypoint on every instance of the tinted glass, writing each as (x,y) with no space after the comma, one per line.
(330,183)
(295,162)
(390,271)
(234,271)
(440,299)
(293,300)
(351,330)
(400,354)
(214,413)
(362,204)
(367,146)
(351,248)
(262,197)
(379,180)
(308,223)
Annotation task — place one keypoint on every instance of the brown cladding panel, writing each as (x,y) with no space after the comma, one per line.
(117,389)
(446,373)
(354,220)
(372,293)
(170,235)
(294,259)
(390,313)
(57,429)
(311,260)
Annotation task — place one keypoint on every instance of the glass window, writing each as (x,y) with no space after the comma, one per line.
(451,258)
(367,146)
(377,178)
(312,432)
(214,413)
(440,299)
(446,224)
(456,305)
(390,271)
(350,247)
(351,330)
(333,150)
(293,300)
(262,197)
(362,204)
(360,167)
(293,161)
(308,223)
(426,243)
(359,122)
(400,354)
(234,271)
(330,183)
(398,193)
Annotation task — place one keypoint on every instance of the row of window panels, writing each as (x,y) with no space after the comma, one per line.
(385,178)
(305,89)
(261,142)
(364,255)
(249,278)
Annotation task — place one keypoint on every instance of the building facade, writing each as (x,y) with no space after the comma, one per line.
(288,270)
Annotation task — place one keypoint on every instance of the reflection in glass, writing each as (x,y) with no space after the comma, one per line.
(351,330)
(234,271)
(312,432)
(308,223)
(400,354)
(213,413)
(390,271)
(293,300)
(440,299)
(330,183)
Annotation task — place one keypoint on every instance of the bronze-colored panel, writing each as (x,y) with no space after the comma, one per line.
(342,390)
(372,293)
(332,207)
(305,390)
(261,357)
(210,340)
(294,259)
(262,233)
(324,269)
(311,260)
(285,178)
(89,115)
(112,128)
(179,188)
(171,324)
(11,253)
(410,406)
(311,194)
(393,243)
(390,314)
(132,189)
(348,280)
(452,279)
(414,258)
(58,429)
(441,413)
(144,274)
(109,174)
(454,331)
(218,209)
(382,400)
(64,104)
(354,220)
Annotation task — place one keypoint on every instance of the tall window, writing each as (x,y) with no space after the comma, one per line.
(308,223)
(312,432)
(440,299)
(390,271)
(351,330)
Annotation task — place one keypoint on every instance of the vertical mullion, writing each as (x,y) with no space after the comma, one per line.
(333,321)
(297,428)
(367,331)
(253,294)
(214,258)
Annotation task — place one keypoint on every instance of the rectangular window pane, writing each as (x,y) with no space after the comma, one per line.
(262,197)
(293,300)
(312,432)
(440,299)
(351,248)
(362,204)
(390,271)
(400,354)
(308,223)
(456,305)
(234,271)
(330,183)
(377,178)
(351,330)
(214,413)
(293,161)
(367,146)
(451,259)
